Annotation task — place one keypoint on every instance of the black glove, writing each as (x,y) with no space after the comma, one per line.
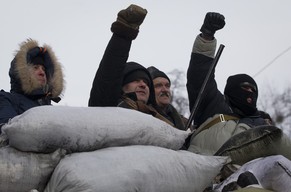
(128,21)
(212,22)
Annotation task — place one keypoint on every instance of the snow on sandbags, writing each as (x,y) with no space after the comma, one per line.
(272,172)
(257,142)
(135,168)
(22,171)
(78,129)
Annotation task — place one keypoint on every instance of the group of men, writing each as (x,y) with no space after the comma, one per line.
(37,79)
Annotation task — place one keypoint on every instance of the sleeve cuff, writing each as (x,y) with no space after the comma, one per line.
(204,47)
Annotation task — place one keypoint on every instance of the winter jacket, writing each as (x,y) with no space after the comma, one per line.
(172,115)
(107,85)
(25,91)
(213,101)
(215,117)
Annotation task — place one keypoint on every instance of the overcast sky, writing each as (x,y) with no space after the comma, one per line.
(256,32)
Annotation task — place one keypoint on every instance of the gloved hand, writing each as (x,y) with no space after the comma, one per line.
(212,22)
(128,21)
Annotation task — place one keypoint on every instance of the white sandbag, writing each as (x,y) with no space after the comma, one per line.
(22,171)
(135,168)
(78,129)
(272,172)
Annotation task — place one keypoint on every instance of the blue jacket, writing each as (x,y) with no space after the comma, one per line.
(13,104)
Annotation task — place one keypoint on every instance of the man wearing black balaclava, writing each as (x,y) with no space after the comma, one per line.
(236,110)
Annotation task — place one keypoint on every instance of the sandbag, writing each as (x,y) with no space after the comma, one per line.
(257,142)
(22,171)
(135,168)
(272,172)
(78,129)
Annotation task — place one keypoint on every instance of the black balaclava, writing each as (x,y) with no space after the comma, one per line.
(237,96)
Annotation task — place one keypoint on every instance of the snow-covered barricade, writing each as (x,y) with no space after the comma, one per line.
(135,168)
(78,129)
(272,172)
(24,171)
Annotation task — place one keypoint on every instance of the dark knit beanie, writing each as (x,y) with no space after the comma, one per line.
(38,60)
(154,72)
(135,75)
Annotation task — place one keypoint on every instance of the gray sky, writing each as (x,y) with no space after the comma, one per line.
(256,32)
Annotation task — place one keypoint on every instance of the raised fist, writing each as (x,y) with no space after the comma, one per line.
(133,16)
(128,21)
(212,22)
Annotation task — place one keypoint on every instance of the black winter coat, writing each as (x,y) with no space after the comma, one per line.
(107,85)
(212,101)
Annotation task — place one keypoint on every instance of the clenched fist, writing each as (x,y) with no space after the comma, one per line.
(212,22)
(128,21)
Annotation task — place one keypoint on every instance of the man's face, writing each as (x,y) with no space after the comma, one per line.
(249,88)
(162,91)
(38,71)
(141,89)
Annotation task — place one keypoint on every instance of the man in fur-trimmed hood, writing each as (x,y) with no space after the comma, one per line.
(36,79)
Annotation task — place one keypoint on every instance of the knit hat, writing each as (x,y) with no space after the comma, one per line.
(154,72)
(135,75)
(38,60)
(238,96)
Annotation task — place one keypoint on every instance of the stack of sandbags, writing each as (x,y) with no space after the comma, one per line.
(24,171)
(135,168)
(33,136)
(78,129)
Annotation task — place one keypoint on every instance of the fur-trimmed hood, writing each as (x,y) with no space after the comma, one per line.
(22,82)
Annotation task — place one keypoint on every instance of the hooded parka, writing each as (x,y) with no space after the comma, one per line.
(26,92)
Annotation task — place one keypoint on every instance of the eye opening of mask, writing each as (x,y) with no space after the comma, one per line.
(247,85)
